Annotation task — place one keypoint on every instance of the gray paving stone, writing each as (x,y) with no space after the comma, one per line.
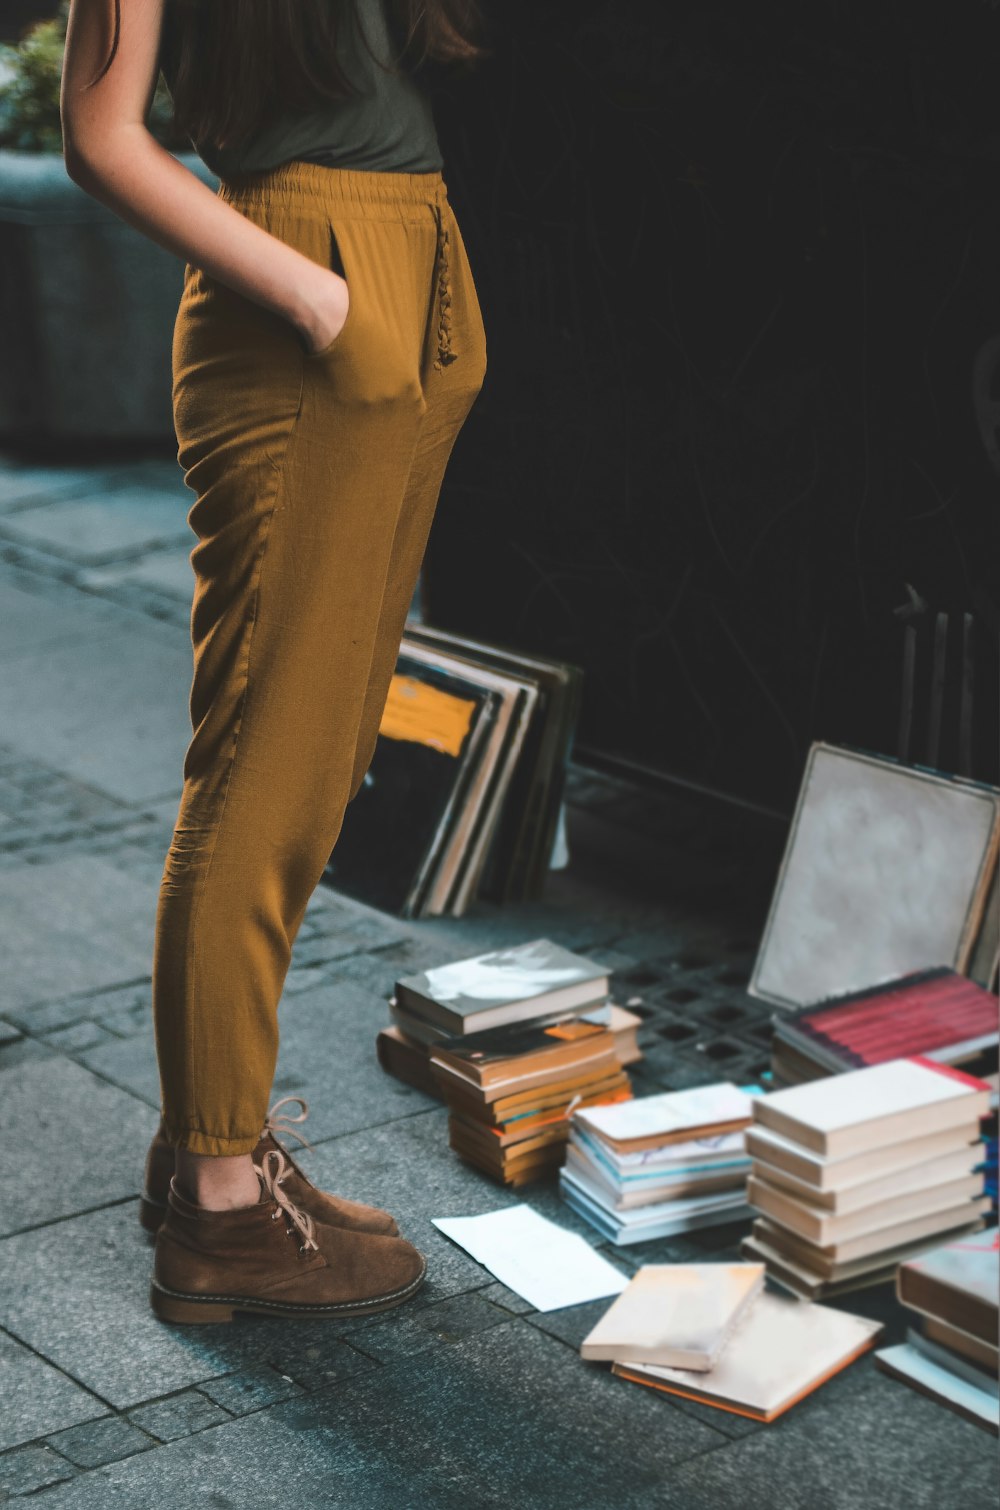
(78,1293)
(408,1168)
(499,1295)
(165,571)
(500,1423)
(242,1393)
(80,1142)
(82,1035)
(110,711)
(105,526)
(24,484)
(100,1442)
(887,1447)
(389,1338)
(179,1416)
(327,1055)
(30,1468)
(37,1398)
(129,1063)
(72,925)
(32,621)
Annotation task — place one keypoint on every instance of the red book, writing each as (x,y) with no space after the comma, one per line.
(937,1014)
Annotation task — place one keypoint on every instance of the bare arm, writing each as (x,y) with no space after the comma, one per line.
(110,152)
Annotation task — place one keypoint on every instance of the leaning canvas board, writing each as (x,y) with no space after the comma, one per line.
(885,871)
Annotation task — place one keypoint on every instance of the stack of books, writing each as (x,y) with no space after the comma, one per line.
(536,982)
(936,1013)
(662,1164)
(509,1091)
(709,1332)
(856,1173)
(463,796)
(951,1354)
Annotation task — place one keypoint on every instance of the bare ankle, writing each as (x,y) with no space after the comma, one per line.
(218,1183)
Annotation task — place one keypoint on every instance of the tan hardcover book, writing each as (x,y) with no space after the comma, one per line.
(885,1103)
(469,1098)
(406,1060)
(833,1174)
(777,1242)
(957,1282)
(873,1244)
(807,1285)
(676,1315)
(983,1354)
(603,1061)
(827,1229)
(780,1351)
(855,1196)
(546,1104)
(625,1026)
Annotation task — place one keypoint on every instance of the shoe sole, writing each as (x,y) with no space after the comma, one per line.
(193,1310)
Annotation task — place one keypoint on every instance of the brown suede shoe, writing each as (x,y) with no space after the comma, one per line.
(331,1210)
(209,1265)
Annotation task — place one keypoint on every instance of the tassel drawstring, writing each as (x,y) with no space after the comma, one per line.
(445,351)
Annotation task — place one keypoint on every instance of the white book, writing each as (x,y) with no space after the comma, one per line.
(827,1174)
(677,1315)
(661,1220)
(861,1193)
(885,1103)
(827,1228)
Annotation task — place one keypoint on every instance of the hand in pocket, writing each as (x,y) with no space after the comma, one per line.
(329,303)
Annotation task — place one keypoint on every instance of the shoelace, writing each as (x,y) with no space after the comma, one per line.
(272,1169)
(284,1123)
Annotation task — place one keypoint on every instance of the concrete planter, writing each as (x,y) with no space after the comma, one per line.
(87,307)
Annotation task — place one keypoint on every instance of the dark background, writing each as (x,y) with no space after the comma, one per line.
(740,271)
(737,265)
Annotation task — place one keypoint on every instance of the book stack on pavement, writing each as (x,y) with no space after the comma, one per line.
(951,1354)
(936,1013)
(709,1332)
(858,1172)
(509,1089)
(534,982)
(662,1164)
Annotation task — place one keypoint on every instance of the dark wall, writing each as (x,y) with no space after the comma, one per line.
(737,264)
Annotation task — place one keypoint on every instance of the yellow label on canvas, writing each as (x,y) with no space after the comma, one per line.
(426,715)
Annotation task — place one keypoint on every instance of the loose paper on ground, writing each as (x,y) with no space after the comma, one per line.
(540,1261)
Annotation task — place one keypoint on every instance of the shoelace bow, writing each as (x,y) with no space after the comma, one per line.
(284,1123)
(272,1169)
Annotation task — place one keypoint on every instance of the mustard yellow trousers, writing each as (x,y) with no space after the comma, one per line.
(316,478)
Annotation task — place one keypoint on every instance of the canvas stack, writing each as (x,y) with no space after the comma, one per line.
(536,982)
(856,1173)
(661,1164)
(464,794)
(953,1294)
(710,1332)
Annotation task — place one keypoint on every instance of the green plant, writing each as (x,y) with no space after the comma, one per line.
(30,74)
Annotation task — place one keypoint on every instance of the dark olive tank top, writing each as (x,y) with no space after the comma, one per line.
(388,126)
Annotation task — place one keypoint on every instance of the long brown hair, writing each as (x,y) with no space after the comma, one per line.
(238,63)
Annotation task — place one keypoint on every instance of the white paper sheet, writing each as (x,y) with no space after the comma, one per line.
(537,1259)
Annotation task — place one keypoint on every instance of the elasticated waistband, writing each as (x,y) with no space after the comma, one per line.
(306,182)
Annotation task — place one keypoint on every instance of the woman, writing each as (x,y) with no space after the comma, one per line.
(327,349)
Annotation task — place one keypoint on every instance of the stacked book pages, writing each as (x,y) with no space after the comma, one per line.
(464,792)
(951,1353)
(509,1091)
(709,1332)
(856,1173)
(936,1013)
(662,1164)
(537,982)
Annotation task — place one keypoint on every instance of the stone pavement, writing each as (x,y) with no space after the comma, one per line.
(466,1395)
